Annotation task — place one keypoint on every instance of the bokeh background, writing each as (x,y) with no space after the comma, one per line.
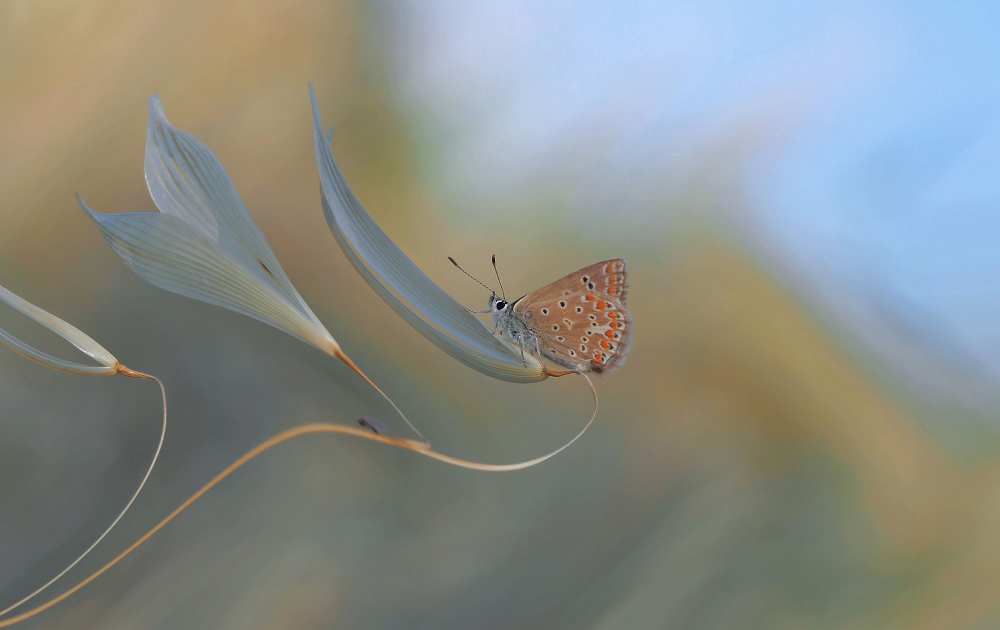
(805,435)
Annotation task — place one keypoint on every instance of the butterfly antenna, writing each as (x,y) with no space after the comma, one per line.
(502,293)
(480,282)
(483,312)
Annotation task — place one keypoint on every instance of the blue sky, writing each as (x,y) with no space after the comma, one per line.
(885,180)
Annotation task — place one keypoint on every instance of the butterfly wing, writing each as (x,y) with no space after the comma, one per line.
(581,319)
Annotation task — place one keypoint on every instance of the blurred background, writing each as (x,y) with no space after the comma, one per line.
(805,435)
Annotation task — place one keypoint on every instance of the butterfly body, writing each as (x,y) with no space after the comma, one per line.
(508,324)
(580,321)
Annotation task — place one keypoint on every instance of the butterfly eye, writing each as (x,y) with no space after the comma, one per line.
(501,305)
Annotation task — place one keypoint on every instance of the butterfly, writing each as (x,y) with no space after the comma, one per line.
(580,321)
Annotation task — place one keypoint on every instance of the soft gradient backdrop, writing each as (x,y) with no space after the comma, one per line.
(805,435)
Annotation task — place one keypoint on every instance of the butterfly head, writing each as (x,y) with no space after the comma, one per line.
(498,304)
(499,308)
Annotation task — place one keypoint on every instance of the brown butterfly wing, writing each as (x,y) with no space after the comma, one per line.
(581,319)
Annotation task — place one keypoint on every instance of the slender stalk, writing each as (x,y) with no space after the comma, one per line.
(336,351)
(420,448)
(121,369)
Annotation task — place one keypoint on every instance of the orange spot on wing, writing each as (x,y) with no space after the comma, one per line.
(613,314)
(601,305)
(589,297)
(605,344)
(610,334)
(615,324)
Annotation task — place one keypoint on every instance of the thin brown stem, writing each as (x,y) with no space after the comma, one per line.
(349,362)
(420,448)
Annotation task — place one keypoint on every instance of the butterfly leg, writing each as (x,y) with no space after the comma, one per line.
(519,338)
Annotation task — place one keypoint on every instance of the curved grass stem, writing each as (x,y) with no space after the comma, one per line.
(121,369)
(349,362)
(420,448)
